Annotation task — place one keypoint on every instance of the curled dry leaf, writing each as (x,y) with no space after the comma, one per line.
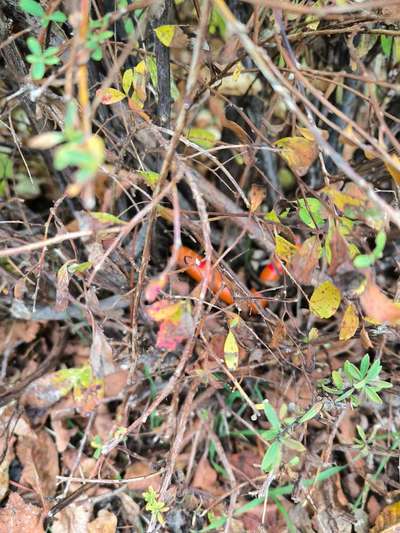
(18,516)
(62,288)
(298,152)
(39,458)
(101,354)
(305,260)
(378,307)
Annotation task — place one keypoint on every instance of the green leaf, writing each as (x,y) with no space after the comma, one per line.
(270,434)
(310,212)
(386,44)
(380,385)
(346,395)
(361,433)
(271,415)
(37,71)
(6,166)
(106,218)
(311,413)
(79,267)
(364,260)
(293,444)
(337,380)
(32,8)
(375,370)
(364,365)
(272,457)
(58,16)
(372,395)
(34,46)
(204,138)
(150,177)
(380,242)
(352,371)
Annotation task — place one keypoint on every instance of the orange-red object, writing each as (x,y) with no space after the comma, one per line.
(271,272)
(195,266)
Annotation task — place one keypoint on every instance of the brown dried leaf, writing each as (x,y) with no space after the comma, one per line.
(141,470)
(62,288)
(278,334)
(15,332)
(40,461)
(257,195)
(74,518)
(18,516)
(298,152)
(205,477)
(305,260)
(106,522)
(378,307)
(101,355)
(339,252)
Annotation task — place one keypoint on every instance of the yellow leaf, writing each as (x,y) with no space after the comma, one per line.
(231,351)
(110,96)
(237,72)
(341,199)
(349,324)
(393,170)
(127,80)
(284,249)
(388,520)
(325,300)
(314,334)
(298,152)
(165,34)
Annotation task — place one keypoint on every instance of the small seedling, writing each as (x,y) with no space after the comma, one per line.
(97,444)
(355,383)
(96,38)
(34,8)
(154,505)
(39,58)
(367,260)
(279,434)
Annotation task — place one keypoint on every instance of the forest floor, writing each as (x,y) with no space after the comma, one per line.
(199,266)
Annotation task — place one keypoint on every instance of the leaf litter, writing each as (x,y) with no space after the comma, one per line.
(166,163)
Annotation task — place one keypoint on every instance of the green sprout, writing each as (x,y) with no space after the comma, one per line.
(40,58)
(34,8)
(96,39)
(279,434)
(367,260)
(355,383)
(156,507)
